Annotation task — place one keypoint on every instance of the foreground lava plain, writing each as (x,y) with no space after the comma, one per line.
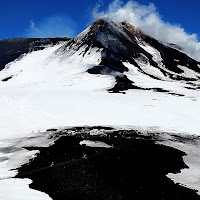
(135,167)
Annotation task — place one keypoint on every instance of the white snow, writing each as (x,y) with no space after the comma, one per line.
(176,60)
(83,33)
(17,189)
(146,81)
(98,144)
(188,177)
(12,188)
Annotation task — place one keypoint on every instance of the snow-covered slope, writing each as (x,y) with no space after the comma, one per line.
(81,81)
(13,48)
(110,74)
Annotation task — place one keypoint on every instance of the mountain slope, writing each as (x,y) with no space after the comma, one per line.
(109,75)
(103,59)
(121,49)
(11,49)
(121,44)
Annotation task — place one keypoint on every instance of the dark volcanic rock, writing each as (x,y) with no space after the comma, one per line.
(135,168)
(6,79)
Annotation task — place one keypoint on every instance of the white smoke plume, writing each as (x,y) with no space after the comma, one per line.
(147,19)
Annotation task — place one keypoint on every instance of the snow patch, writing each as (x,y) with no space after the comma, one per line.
(188,177)
(176,60)
(18,189)
(188,72)
(12,188)
(82,34)
(98,144)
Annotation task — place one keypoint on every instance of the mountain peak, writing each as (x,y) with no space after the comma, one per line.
(122,44)
(123,51)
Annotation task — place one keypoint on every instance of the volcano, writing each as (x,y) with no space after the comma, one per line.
(118,50)
(111,75)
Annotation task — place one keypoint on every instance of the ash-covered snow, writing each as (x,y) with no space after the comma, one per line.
(143,62)
(188,72)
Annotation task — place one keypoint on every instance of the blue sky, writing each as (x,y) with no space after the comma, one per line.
(50,18)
